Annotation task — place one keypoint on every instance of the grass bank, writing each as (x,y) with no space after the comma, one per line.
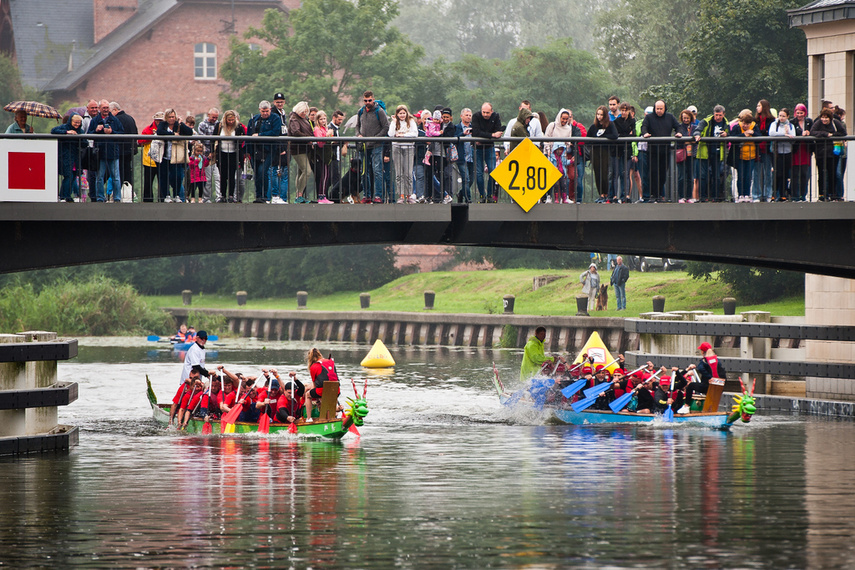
(482,292)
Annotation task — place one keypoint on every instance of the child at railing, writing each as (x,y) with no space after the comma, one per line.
(198,162)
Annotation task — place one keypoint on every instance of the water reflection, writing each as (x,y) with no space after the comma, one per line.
(442,477)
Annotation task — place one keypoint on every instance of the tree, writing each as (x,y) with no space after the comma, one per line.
(554,76)
(743,51)
(750,284)
(511,258)
(326,52)
(641,40)
(11,88)
(453,29)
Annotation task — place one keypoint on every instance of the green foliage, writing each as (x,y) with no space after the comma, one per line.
(641,41)
(511,258)
(552,77)
(278,273)
(326,52)
(509,337)
(750,284)
(451,30)
(210,323)
(96,307)
(10,88)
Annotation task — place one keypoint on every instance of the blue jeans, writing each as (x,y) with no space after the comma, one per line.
(484,155)
(261,169)
(709,174)
(374,157)
(419,182)
(466,170)
(620,293)
(744,171)
(113,166)
(278,183)
(762,189)
(68,186)
(580,179)
(644,171)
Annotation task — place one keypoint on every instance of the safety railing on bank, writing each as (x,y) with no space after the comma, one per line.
(149,168)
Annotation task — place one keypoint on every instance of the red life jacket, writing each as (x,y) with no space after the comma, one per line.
(713,362)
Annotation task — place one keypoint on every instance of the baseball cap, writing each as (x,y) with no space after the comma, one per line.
(200,369)
(705,346)
(693,109)
(159,116)
(202,335)
(278,96)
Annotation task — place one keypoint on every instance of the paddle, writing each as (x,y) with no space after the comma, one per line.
(155,338)
(573,388)
(582,405)
(599,388)
(264,419)
(668,416)
(622,401)
(227,423)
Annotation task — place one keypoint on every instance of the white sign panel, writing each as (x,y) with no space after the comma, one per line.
(28,170)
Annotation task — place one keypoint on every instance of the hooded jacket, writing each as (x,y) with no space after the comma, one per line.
(520,128)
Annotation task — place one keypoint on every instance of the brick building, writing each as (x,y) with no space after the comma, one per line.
(146,54)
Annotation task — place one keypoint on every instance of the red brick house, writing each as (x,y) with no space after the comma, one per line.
(146,54)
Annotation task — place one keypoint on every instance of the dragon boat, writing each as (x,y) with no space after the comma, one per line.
(704,411)
(568,406)
(325,425)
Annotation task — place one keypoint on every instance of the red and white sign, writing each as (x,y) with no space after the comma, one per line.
(28,170)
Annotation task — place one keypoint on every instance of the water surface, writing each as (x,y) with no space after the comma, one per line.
(442,477)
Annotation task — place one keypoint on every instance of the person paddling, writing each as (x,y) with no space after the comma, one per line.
(321,370)
(290,404)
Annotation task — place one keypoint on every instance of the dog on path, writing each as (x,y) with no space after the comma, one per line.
(603,298)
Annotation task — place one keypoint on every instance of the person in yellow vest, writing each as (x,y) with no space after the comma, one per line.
(534,356)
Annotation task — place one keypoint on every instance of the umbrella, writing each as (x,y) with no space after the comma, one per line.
(34,109)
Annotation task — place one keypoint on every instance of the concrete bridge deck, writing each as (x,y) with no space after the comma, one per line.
(809,237)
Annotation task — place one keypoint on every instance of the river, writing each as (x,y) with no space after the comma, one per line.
(441,477)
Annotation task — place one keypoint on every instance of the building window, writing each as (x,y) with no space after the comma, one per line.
(254,47)
(205,61)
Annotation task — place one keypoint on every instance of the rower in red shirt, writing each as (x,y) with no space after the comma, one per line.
(182,396)
(289,408)
(321,369)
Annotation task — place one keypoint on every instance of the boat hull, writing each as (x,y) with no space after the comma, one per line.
(332,429)
(714,420)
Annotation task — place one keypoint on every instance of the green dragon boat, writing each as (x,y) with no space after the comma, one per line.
(326,425)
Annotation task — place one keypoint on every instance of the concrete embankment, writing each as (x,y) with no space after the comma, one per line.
(443,329)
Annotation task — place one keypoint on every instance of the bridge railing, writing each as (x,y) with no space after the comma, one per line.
(593,169)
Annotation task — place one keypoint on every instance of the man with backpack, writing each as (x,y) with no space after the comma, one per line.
(372,122)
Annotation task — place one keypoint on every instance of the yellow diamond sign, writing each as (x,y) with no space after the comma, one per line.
(526,174)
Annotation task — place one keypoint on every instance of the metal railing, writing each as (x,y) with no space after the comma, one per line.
(593,169)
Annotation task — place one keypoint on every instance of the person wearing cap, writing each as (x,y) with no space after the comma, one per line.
(440,161)
(709,367)
(534,356)
(590,281)
(264,124)
(195,354)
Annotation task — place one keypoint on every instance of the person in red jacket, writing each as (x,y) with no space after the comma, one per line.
(289,407)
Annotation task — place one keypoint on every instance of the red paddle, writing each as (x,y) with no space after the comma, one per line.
(232,415)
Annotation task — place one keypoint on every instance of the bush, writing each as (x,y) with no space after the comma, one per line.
(211,324)
(750,285)
(95,307)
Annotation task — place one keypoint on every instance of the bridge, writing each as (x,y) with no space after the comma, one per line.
(806,237)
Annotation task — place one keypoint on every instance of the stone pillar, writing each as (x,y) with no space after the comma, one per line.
(241,298)
(13,376)
(829,301)
(508,302)
(364,300)
(658,304)
(302,299)
(430,297)
(756,348)
(186,296)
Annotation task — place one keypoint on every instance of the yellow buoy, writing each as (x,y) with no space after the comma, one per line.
(378,357)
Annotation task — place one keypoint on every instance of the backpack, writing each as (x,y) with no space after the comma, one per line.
(376,110)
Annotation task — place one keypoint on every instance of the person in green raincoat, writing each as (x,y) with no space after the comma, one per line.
(533,356)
